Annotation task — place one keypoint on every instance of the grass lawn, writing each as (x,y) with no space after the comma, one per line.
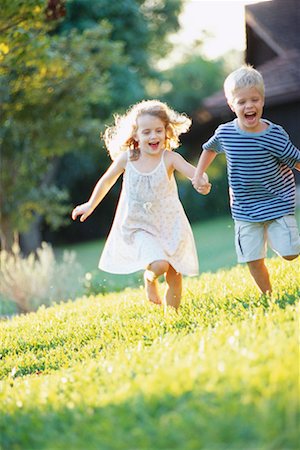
(113,372)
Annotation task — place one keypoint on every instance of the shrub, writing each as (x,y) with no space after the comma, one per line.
(38,279)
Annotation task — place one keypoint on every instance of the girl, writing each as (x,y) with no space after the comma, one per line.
(150,230)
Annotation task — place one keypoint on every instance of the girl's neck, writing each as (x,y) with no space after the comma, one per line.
(147,163)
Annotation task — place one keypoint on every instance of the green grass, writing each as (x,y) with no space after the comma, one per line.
(113,372)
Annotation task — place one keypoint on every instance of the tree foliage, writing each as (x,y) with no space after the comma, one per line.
(142,26)
(191,80)
(49,84)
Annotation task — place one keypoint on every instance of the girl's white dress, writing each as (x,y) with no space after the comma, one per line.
(150,224)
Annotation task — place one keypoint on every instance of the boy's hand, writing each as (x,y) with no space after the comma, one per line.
(201,184)
(84,210)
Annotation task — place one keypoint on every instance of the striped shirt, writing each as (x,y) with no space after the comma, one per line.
(261,182)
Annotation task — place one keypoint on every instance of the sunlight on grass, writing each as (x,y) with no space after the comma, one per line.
(115,372)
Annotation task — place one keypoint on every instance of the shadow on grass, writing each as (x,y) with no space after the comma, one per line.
(194,420)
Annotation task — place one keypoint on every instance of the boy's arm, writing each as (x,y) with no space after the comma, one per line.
(297,166)
(205,160)
(102,187)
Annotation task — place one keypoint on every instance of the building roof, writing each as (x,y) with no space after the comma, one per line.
(282,83)
(277,24)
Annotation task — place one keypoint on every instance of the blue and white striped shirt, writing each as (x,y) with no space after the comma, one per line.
(261,182)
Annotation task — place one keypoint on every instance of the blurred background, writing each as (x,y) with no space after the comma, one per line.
(68,66)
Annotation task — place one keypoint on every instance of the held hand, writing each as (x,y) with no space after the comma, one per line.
(83,210)
(201,184)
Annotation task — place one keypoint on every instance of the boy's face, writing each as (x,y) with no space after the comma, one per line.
(248,104)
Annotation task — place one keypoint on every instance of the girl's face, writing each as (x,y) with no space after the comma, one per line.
(150,134)
(248,105)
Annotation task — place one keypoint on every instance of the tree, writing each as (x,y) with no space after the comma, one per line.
(142,26)
(49,85)
(190,81)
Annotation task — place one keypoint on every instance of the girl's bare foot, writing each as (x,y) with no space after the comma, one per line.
(151,287)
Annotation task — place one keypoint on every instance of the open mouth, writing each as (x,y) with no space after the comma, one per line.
(154,145)
(250,117)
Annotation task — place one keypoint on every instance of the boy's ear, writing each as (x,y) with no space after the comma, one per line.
(229,103)
(231,107)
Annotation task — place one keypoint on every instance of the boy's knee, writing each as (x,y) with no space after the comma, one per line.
(290,257)
(257,264)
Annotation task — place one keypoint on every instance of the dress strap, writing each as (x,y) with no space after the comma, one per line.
(163,162)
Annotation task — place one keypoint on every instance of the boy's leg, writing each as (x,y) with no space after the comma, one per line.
(283,237)
(153,271)
(174,288)
(260,274)
(290,257)
(251,248)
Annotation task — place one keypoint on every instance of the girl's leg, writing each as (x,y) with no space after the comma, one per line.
(154,270)
(174,288)
(260,274)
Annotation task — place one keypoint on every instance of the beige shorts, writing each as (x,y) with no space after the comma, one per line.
(252,238)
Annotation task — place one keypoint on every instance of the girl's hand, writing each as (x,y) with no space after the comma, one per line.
(84,210)
(201,184)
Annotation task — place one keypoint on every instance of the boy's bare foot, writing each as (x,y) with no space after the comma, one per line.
(151,287)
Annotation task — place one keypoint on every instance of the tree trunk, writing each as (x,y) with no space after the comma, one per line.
(8,236)
(32,239)
(28,241)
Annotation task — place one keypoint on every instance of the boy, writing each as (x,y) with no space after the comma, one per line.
(262,188)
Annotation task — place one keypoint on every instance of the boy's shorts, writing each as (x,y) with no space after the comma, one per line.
(252,238)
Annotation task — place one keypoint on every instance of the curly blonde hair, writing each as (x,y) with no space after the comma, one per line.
(120,137)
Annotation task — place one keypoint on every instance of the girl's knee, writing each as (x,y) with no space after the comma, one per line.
(173,277)
(175,274)
(159,267)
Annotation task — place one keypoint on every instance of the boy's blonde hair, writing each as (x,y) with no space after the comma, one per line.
(120,137)
(245,76)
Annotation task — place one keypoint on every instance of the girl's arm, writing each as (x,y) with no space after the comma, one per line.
(177,162)
(205,160)
(297,166)
(102,187)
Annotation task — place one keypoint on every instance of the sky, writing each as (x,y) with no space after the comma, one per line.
(224,21)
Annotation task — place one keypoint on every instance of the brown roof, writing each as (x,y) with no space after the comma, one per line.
(282,83)
(282,78)
(278,24)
